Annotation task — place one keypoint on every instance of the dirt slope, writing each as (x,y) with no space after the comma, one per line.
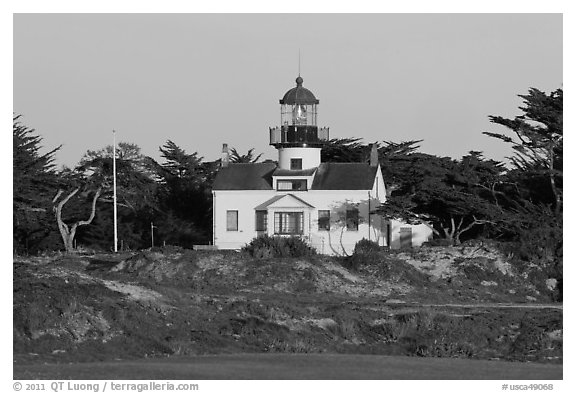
(179,302)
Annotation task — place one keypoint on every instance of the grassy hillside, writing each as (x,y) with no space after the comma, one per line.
(434,302)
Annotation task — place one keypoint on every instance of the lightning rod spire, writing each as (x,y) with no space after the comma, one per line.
(298,62)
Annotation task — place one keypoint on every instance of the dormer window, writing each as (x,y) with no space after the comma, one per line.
(295,164)
(291,185)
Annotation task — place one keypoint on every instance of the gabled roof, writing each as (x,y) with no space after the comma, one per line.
(344,176)
(245,177)
(329,176)
(276,198)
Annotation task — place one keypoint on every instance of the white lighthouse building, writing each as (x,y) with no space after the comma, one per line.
(330,205)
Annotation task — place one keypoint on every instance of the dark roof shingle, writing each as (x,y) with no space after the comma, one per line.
(245,177)
(344,176)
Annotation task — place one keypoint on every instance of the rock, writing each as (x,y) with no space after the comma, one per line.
(395,301)
(551,283)
(324,323)
(555,335)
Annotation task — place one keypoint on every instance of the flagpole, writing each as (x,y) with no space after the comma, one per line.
(115,211)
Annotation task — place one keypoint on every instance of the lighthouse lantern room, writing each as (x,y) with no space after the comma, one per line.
(298,139)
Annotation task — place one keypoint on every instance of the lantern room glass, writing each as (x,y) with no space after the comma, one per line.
(298,114)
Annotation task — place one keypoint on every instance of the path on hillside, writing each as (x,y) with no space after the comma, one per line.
(529,306)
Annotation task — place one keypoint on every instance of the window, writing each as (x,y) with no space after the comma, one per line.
(289,223)
(352,219)
(261,220)
(231,220)
(323,220)
(296,163)
(291,185)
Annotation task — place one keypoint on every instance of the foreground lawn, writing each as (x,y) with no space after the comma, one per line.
(293,366)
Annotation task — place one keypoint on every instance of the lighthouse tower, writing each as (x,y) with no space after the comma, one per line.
(298,139)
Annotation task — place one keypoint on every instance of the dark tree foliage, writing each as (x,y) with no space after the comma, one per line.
(136,197)
(537,138)
(451,196)
(33,173)
(249,157)
(185,197)
(34,183)
(396,159)
(135,178)
(345,150)
(179,164)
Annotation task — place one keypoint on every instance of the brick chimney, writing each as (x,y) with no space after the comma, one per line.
(225,156)
(374,155)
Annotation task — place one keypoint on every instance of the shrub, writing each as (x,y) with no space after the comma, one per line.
(365,247)
(278,247)
(366,252)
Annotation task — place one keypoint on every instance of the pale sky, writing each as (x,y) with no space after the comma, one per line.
(205,79)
